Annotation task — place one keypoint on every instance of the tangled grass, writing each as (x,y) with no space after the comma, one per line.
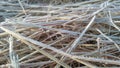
(72,35)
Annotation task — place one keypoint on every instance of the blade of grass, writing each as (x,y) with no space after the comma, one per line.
(13,56)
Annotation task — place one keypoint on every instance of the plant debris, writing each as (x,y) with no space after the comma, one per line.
(60,34)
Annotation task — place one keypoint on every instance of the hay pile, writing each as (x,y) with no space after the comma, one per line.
(75,35)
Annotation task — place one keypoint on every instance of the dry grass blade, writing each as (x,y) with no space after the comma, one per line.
(75,43)
(112,23)
(13,56)
(22,7)
(19,30)
(25,57)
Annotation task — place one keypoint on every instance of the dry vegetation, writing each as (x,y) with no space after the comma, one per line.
(60,34)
